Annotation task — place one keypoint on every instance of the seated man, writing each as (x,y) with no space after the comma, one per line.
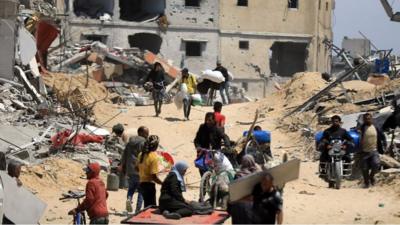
(172,203)
(335,131)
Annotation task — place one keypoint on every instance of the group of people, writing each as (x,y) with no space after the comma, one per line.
(156,82)
(372,143)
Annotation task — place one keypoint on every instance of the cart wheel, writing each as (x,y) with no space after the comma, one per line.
(205,185)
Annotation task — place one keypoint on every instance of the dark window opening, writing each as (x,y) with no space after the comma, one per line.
(293,4)
(93,9)
(95,37)
(141,10)
(245,86)
(242,3)
(195,3)
(288,58)
(244,45)
(327,6)
(193,48)
(146,41)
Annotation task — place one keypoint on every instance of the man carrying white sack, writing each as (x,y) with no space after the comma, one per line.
(190,82)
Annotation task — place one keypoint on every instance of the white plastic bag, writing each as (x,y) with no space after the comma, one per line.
(178,100)
(214,76)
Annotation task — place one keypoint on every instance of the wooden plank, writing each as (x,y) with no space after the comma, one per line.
(282,174)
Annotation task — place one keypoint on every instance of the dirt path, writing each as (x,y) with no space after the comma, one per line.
(307,200)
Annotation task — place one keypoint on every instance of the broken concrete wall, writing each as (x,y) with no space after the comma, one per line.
(205,15)
(173,45)
(310,23)
(8,13)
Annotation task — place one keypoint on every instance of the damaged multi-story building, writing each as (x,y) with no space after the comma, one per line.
(252,38)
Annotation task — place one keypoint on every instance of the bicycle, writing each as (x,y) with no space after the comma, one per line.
(79,218)
(211,177)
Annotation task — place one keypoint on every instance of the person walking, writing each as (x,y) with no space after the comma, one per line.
(267,202)
(224,88)
(157,78)
(191,83)
(129,168)
(373,142)
(148,171)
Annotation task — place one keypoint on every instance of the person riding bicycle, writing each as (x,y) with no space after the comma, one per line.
(334,132)
(95,202)
(209,136)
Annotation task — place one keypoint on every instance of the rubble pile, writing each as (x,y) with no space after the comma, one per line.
(72,90)
(57,173)
(302,86)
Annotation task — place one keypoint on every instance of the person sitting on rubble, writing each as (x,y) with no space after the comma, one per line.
(219,118)
(209,136)
(14,171)
(95,202)
(172,204)
(335,131)
(191,83)
(132,150)
(148,170)
(157,78)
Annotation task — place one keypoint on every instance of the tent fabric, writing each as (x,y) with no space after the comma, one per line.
(46,33)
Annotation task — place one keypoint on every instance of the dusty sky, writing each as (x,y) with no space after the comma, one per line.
(369,17)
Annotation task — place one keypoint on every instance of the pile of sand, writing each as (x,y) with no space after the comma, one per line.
(54,174)
(301,87)
(72,88)
(391,181)
(360,90)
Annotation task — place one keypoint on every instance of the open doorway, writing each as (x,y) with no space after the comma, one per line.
(141,10)
(288,58)
(146,41)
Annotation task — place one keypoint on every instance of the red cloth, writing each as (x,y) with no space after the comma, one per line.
(46,33)
(95,202)
(220,119)
(61,138)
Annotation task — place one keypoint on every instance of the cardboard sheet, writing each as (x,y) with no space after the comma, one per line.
(282,174)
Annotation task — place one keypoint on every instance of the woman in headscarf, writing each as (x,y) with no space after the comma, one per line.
(247,167)
(172,203)
(148,171)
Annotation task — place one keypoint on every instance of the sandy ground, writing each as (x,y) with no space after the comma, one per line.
(307,200)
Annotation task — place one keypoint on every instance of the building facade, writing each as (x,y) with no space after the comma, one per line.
(252,38)
(274,37)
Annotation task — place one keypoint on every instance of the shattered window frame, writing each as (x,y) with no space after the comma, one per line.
(293,4)
(244,3)
(192,3)
(244,45)
(190,48)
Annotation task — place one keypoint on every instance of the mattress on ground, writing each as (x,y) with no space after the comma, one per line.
(147,216)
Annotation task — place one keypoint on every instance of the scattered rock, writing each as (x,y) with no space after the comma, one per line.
(306,193)
(389,162)
(18,105)
(390,171)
